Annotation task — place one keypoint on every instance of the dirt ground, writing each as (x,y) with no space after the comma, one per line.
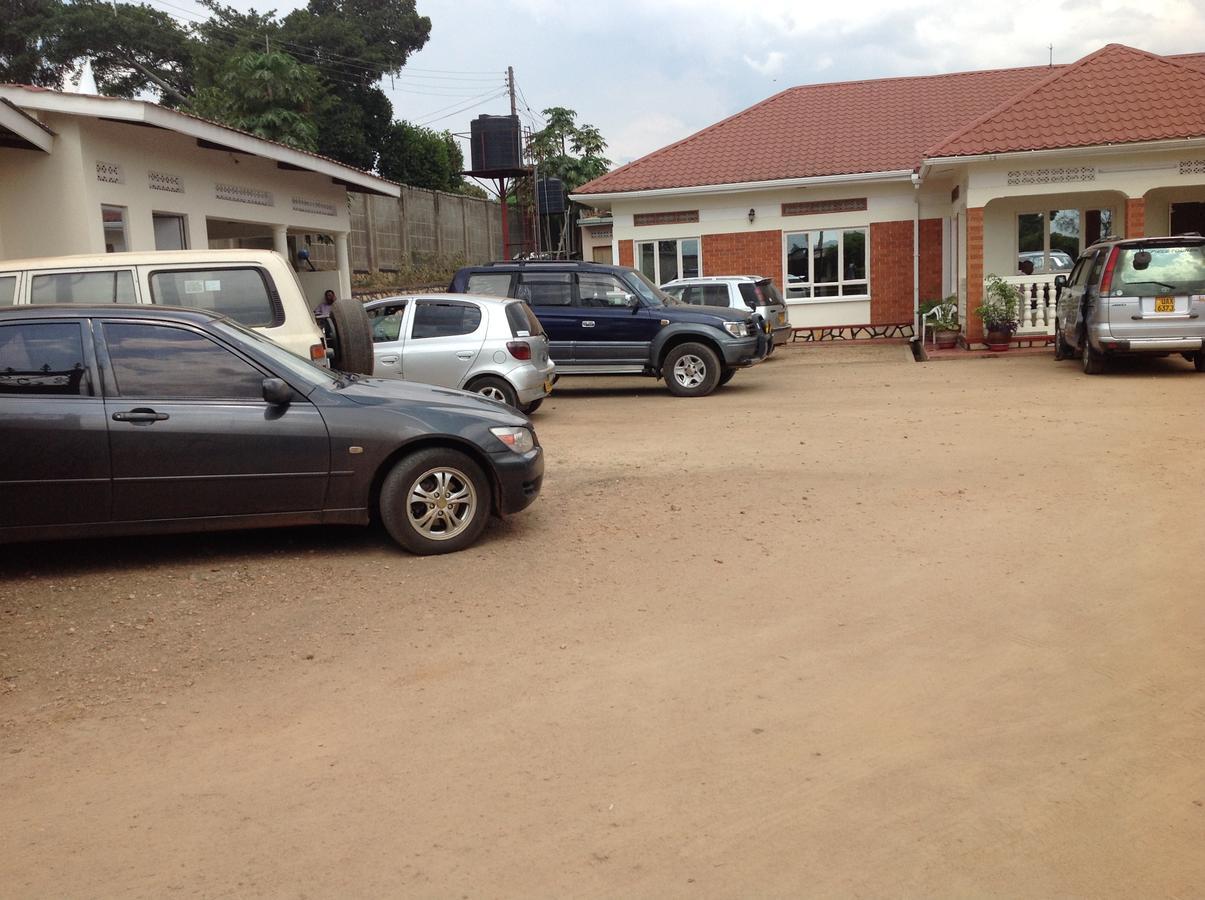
(852,626)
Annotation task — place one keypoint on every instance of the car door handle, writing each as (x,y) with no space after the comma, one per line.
(464,354)
(389,360)
(140,416)
(588,323)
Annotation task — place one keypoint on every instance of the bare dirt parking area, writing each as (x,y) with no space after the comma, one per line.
(851,626)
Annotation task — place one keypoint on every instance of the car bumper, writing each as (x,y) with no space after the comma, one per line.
(532,382)
(520,477)
(1103,340)
(782,334)
(743,352)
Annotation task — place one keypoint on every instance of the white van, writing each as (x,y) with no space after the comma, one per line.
(254,287)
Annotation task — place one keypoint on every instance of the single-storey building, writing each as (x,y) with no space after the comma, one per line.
(863,199)
(87,174)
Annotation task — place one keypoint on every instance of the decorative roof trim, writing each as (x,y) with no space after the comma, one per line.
(743,186)
(1100,149)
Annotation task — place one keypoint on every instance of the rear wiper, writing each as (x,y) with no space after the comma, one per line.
(1170,287)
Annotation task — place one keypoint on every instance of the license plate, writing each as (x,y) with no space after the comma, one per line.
(547,385)
(1165,304)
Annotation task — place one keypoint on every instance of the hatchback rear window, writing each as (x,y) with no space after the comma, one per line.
(752,294)
(1147,271)
(521,319)
(772,293)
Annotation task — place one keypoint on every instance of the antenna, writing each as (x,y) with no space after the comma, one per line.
(1050,47)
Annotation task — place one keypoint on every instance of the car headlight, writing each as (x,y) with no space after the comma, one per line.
(518,438)
(736,329)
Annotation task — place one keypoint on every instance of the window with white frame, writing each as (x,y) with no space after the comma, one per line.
(1049,242)
(663,261)
(829,264)
(113,219)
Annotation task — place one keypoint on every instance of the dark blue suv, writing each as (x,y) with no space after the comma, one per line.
(611,320)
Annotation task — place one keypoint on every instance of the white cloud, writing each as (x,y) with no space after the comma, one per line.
(770,66)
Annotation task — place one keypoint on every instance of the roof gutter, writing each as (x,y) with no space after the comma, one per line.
(1102,149)
(142,112)
(745,186)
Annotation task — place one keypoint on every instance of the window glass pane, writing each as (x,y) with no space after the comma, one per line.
(169,231)
(854,255)
(1064,238)
(750,295)
(827,290)
(241,294)
(492,285)
(690,258)
(1030,242)
(113,219)
(1098,225)
(715,294)
(42,359)
(521,319)
(677,292)
(599,289)
(8,289)
(853,289)
(172,363)
(824,258)
(797,265)
(83,287)
(444,319)
(387,323)
(546,288)
(667,259)
(1097,265)
(648,261)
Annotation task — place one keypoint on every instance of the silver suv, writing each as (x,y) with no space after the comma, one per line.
(743,292)
(1141,296)
(492,346)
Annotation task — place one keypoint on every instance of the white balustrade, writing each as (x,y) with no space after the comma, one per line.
(1037,308)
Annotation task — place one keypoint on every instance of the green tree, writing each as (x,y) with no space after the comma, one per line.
(421,157)
(27,54)
(568,151)
(270,95)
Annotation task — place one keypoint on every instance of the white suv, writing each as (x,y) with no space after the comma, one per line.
(743,292)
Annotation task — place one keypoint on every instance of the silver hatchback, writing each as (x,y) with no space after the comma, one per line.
(492,346)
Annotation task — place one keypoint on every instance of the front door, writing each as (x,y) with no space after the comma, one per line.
(611,329)
(192,436)
(443,338)
(387,339)
(54,444)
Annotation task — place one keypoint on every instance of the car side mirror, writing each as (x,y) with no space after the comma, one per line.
(277,392)
(1060,281)
(633,302)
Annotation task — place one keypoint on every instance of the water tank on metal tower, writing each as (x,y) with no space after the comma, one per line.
(494,142)
(551,192)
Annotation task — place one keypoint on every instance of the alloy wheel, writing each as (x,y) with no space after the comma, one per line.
(441,504)
(690,370)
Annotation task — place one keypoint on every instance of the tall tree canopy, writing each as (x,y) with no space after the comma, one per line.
(333,52)
(422,158)
(568,151)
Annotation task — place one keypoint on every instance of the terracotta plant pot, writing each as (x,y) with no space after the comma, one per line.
(946,339)
(998,341)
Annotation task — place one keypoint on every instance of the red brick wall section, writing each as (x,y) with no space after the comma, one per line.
(744,253)
(1136,218)
(930,259)
(890,272)
(974,251)
(627,256)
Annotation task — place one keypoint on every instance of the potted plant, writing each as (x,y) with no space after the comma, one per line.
(926,317)
(999,312)
(945,323)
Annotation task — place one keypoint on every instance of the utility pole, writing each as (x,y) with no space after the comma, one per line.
(510,86)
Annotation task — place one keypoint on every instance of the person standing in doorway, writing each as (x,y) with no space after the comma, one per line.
(323,309)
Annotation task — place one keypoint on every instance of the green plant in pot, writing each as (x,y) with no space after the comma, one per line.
(999,311)
(945,323)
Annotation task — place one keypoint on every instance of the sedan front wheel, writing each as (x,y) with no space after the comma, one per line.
(436,501)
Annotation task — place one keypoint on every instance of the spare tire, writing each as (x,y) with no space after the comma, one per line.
(352,344)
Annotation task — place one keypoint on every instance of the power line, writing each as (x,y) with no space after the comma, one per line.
(426,122)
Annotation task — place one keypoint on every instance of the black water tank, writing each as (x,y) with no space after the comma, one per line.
(495,143)
(551,192)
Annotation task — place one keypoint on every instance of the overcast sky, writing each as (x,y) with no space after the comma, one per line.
(649,72)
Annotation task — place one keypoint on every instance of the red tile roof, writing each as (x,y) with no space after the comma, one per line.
(888,125)
(1117,95)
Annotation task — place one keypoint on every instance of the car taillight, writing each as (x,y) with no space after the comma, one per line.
(317,352)
(1106,280)
(519,350)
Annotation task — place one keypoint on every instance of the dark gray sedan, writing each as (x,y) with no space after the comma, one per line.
(130,420)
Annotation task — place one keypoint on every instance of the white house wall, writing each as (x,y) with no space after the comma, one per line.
(50,203)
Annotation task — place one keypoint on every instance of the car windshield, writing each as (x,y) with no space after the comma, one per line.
(295,365)
(1146,271)
(649,292)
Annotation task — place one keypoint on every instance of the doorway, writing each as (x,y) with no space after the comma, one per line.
(1188,217)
